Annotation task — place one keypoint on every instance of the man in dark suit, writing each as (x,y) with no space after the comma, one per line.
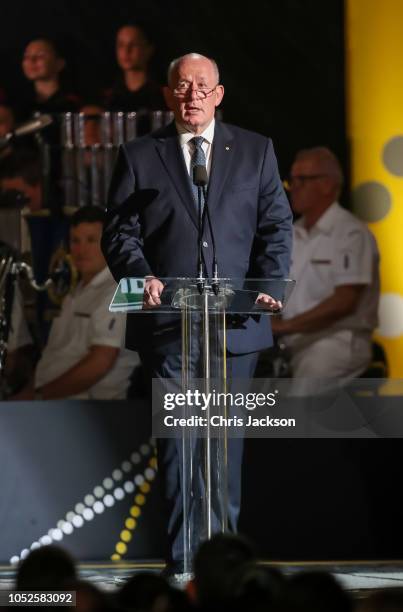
(152,232)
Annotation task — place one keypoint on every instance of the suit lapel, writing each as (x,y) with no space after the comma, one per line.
(168,148)
(222,155)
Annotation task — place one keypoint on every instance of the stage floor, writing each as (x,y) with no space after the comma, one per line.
(356,576)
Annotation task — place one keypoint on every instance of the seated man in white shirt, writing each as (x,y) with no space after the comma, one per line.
(329,319)
(85,356)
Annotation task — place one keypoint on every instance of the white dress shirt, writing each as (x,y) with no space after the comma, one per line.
(85,321)
(338,250)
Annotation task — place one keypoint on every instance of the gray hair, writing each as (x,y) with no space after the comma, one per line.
(174,65)
(328,162)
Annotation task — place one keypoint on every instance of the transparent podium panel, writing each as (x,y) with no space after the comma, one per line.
(203,308)
(242,296)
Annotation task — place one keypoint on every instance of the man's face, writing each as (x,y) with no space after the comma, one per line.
(85,248)
(133,52)
(32,192)
(193,113)
(40,61)
(308,183)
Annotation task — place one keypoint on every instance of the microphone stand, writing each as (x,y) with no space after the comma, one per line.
(215,284)
(200,180)
(201,279)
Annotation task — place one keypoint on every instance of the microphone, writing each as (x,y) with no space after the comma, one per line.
(29,127)
(200,179)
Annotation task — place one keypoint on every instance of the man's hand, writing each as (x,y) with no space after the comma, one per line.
(152,292)
(268,302)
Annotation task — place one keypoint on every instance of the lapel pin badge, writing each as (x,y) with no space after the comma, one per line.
(227,148)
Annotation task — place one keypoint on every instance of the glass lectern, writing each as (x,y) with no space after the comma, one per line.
(205,310)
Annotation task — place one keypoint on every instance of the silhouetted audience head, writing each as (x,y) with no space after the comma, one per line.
(227,579)
(47,568)
(215,563)
(148,592)
(89,598)
(254,588)
(386,600)
(314,592)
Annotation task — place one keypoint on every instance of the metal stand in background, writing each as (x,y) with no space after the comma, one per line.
(10,270)
(59,278)
(88,158)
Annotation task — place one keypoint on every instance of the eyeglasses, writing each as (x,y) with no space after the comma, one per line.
(299,180)
(183,91)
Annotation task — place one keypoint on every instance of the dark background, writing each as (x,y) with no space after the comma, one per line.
(282,63)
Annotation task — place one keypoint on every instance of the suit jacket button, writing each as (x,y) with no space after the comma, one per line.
(205,244)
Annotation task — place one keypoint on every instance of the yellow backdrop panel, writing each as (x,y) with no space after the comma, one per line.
(374,65)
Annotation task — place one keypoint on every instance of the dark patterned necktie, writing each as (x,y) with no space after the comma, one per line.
(198,159)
